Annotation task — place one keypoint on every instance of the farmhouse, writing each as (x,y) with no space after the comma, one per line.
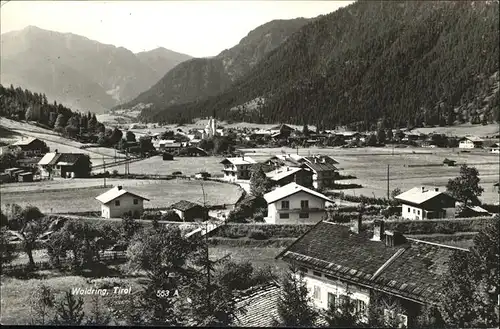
(426,203)
(237,168)
(281,132)
(285,175)
(495,148)
(117,202)
(189,211)
(324,174)
(32,146)
(470,142)
(398,274)
(67,165)
(293,203)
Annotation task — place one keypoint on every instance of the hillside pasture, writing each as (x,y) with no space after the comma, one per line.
(78,195)
(369,165)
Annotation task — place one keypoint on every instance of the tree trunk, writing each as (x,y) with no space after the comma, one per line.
(29,252)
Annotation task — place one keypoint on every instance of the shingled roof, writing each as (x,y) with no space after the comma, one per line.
(185,205)
(413,270)
(261,308)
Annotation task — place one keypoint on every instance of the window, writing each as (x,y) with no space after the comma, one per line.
(413,210)
(317,292)
(117,203)
(284,216)
(316,273)
(408,209)
(360,306)
(285,205)
(304,215)
(418,212)
(331,299)
(304,204)
(136,201)
(343,299)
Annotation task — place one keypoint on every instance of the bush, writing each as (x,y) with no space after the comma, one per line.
(237,276)
(258,235)
(171,216)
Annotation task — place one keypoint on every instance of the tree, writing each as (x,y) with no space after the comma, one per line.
(397,191)
(130,136)
(129,228)
(27,224)
(295,308)
(60,121)
(390,135)
(145,145)
(115,136)
(305,130)
(381,136)
(471,283)
(372,140)
(7,251)
(343,314)
(163,254)
(42,302)
(97,316)
(260,184)
(465,187)
(69,310)
(29,116)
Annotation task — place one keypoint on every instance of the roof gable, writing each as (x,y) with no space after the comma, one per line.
(291,189)
(115,193)
(419,195)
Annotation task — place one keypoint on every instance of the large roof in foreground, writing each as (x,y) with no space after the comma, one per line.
(413,270)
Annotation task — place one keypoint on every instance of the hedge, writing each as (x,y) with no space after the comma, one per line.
(442,226)
(360,198)
(246,242)
(235,230)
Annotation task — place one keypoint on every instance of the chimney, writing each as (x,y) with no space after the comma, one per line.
(119,187)
(394,238)
(378,230)
(356,225)
(423,189)
(287,168)
(56,151)
(436,189)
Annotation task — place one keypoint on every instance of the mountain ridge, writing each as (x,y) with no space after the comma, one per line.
(405,63)
(204,77)
(99,75)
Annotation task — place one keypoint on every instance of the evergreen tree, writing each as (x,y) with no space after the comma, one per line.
(69,310)
(260,184)
(295,307)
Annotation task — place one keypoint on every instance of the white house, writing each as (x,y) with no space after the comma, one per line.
(495,148)
(294,203)
(399,275)
(117,201)
(237,168)
(426,203)
(470,142)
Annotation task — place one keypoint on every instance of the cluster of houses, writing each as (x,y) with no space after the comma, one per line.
(35,159)
(318,171)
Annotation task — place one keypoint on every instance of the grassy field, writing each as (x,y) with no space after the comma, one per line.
(369,165)
(259,256)
(79,194)
(16,293)
(187,165)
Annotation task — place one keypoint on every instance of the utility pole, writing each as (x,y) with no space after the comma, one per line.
(104,168)
(387,182)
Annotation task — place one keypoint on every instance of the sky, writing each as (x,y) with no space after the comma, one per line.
(196,28)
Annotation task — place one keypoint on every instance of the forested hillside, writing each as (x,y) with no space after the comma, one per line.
(203,77)
(411,63)
(19,104)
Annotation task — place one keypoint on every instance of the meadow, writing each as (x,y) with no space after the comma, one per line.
(187,165)
(369,165)
(78,195)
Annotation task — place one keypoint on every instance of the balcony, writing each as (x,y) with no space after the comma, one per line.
(298,210)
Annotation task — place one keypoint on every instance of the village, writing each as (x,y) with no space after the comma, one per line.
(234,196)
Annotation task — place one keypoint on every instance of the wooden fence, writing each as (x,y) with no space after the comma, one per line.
(45,265)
